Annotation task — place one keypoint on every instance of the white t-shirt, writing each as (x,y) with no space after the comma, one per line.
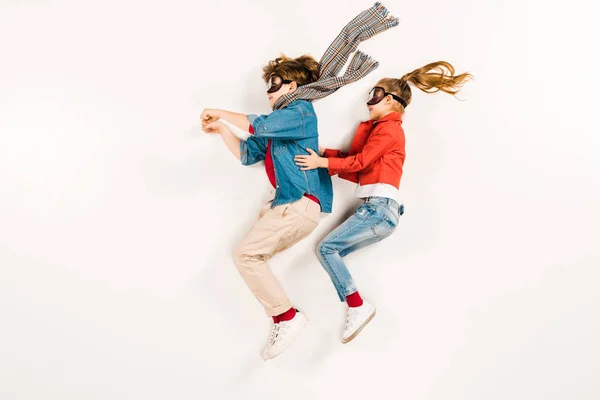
(378,189)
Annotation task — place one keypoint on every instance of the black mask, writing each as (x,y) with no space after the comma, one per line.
(275,83)
(378,93)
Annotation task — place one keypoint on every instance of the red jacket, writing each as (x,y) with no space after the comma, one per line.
(376,154)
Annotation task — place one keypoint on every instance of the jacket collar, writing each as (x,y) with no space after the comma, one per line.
(393,116)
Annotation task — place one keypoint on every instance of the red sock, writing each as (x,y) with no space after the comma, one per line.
(286,316)
(354,300)
(275,319)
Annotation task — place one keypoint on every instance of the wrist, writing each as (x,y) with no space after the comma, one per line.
(217,114)
(324,162)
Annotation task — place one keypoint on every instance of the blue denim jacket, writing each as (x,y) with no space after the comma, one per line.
(291,129)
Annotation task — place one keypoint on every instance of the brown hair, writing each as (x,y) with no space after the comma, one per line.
(430,78)
(302,70)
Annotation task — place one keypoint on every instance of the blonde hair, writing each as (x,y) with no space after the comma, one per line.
(430,78)
(302,70)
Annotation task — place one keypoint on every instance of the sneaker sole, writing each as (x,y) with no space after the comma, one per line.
(267,357)
(355,334)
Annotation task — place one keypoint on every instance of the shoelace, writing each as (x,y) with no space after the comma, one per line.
(277,332)
(350,317)
(274,334)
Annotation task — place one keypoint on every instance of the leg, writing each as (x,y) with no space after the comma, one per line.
(278,229)
(371,223)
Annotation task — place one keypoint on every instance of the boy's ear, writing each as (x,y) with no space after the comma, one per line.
(293,86)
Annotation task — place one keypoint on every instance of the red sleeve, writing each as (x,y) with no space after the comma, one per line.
(349,176)
(377,144)
(331,153)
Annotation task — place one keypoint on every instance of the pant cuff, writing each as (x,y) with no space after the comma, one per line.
(349,291)
(280,309)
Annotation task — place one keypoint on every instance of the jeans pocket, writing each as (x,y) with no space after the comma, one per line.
(385,227)
(366,210)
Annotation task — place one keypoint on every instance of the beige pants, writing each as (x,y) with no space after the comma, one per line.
(277,229)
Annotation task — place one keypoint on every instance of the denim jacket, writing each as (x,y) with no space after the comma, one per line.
(291,129)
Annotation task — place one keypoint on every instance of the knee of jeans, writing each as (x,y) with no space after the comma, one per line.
(324,248)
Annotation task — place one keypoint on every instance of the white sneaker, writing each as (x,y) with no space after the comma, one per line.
(356,319)
(283,334)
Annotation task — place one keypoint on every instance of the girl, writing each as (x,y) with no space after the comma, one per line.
(375,163)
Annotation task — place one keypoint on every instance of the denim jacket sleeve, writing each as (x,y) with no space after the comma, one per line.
(253,150)
(286,124)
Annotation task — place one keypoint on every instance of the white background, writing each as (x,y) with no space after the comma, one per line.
(118,215)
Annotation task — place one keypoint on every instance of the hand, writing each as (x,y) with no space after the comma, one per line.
(213,127)
(311,161)
(210,115)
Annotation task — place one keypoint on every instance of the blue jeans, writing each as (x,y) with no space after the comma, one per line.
(373,221)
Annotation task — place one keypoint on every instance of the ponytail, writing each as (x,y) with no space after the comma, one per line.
(437,76)
(431,78)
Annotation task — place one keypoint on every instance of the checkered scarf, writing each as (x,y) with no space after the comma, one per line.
(365,25)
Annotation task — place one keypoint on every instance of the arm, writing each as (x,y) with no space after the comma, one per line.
(331,153)
(377,144)
(253,150)
(249,151)
(288,123)
(239,120)
(231,141)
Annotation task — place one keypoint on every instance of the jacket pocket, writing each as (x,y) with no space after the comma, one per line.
(279,147)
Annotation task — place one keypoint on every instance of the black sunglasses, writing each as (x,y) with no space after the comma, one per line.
(275,83)
(378,93)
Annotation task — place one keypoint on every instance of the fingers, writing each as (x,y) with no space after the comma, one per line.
(211,127)
(208,115)
(304,161)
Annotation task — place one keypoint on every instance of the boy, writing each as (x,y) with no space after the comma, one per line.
(299,198)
